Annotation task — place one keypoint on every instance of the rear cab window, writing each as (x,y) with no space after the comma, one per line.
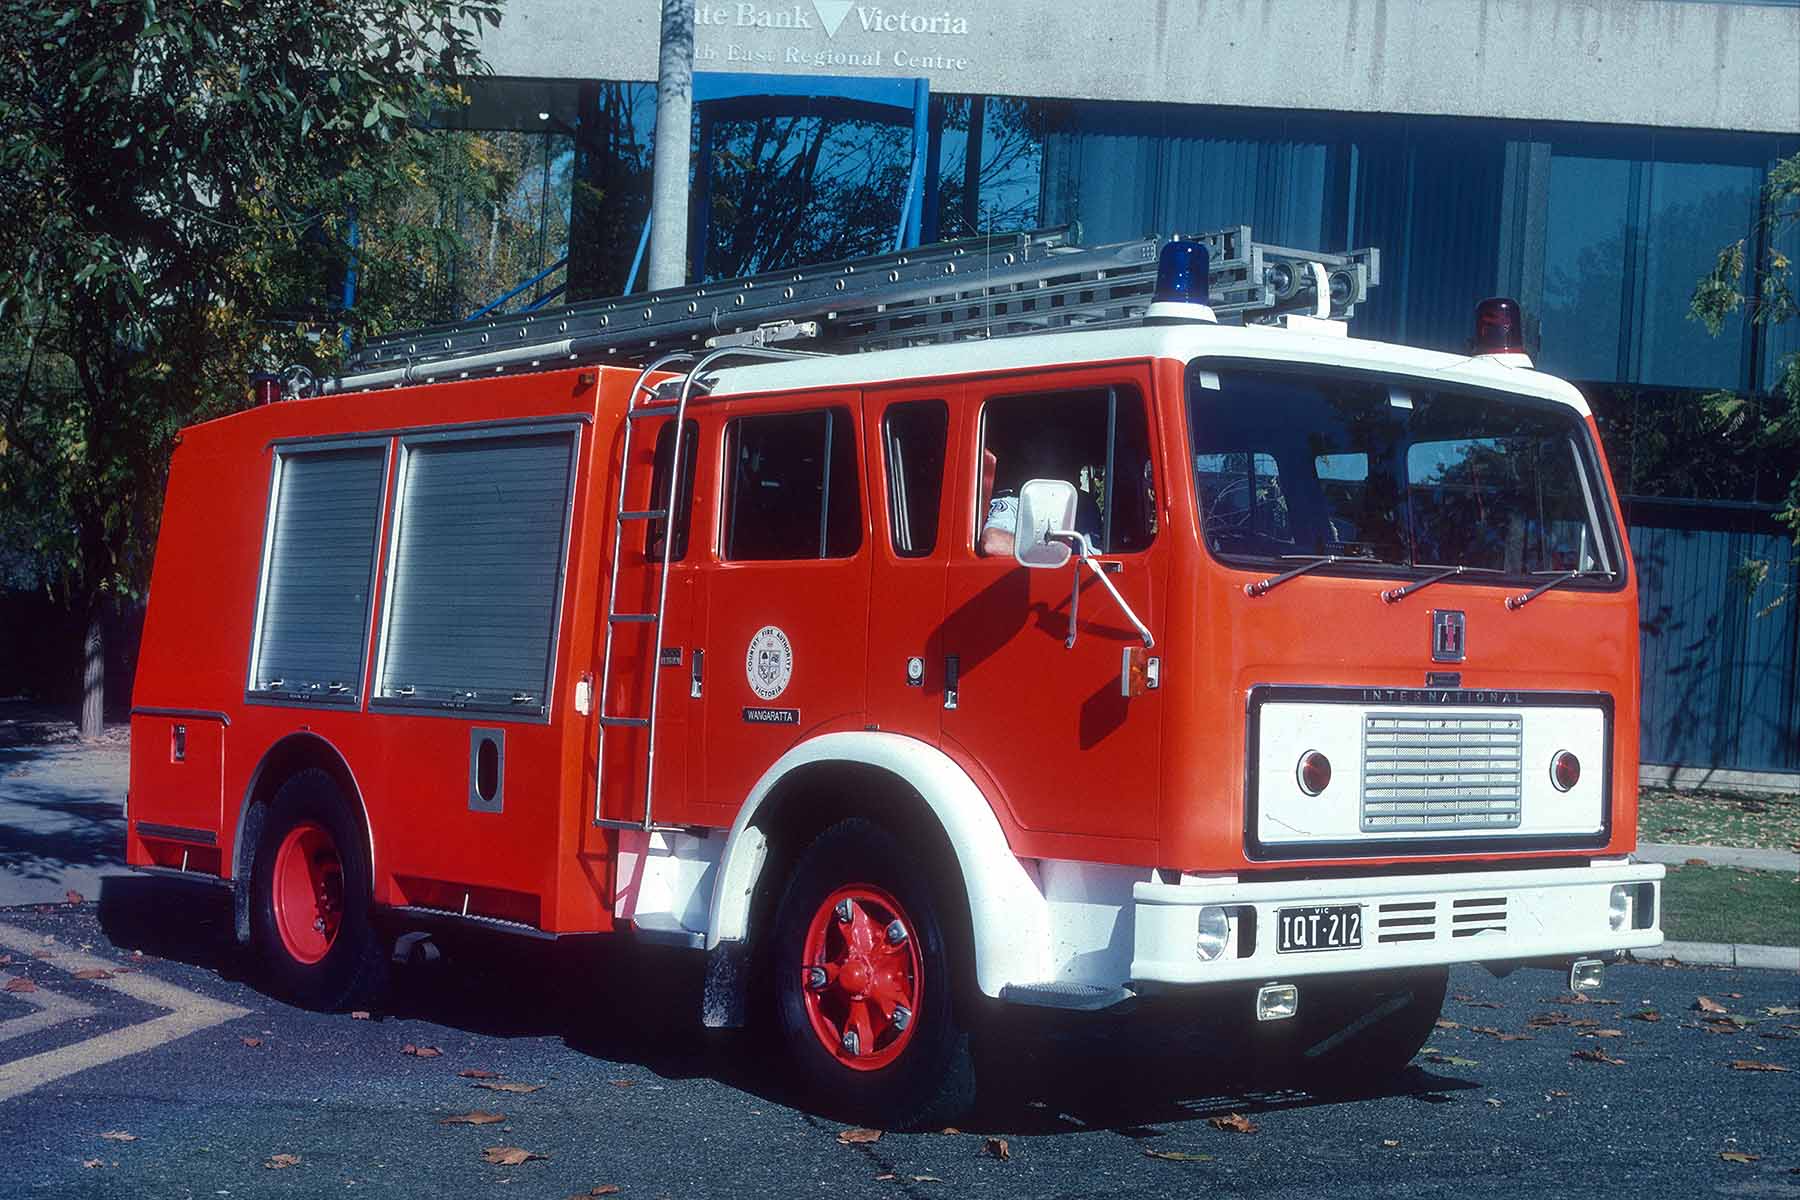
(793,487)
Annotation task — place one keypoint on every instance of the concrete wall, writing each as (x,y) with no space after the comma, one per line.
(1642,62)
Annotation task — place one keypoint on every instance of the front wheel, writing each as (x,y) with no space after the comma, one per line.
(865,999)
(310,899)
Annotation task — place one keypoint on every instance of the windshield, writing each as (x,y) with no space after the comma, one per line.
(1392,472)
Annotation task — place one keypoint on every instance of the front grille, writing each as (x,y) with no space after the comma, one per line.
(1441,772)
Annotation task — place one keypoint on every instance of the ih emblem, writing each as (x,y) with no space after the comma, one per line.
(1447,644)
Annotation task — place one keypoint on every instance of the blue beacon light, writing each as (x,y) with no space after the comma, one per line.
(1182,295)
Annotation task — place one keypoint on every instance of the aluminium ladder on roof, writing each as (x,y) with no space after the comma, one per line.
(963,290)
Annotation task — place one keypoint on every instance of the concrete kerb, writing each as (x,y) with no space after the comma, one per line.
(1724,954)
(1679,854)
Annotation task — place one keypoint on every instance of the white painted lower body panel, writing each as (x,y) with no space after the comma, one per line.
(1543,913)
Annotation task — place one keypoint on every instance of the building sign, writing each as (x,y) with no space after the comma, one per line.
(836,36)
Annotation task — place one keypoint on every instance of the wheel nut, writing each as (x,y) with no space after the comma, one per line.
(816,978)
(843,911)
(896,932)
(902,1017)
(852,1044)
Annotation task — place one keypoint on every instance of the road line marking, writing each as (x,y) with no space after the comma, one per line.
(52,1010)
(189,1013)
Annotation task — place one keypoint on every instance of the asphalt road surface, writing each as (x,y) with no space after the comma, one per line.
(172,1076)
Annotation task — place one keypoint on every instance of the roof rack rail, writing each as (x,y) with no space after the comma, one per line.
(974,288)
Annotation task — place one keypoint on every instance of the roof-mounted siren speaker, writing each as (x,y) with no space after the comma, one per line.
(1500,331)
(1183,296)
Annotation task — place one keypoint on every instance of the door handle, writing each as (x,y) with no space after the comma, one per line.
(697,679)
(952,672)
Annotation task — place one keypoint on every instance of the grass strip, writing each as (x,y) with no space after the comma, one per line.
(1725,904)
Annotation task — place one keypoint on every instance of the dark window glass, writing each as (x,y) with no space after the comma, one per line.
(915,434)
(684,495)
(794,487)
(1288,464)
(1097,439)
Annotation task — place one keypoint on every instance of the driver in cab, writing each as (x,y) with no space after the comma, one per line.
(1044,451)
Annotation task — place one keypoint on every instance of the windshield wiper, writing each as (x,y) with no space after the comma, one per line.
(1395,595)
(1524,598)
(1313,563)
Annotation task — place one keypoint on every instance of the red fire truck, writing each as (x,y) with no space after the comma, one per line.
(1000,623)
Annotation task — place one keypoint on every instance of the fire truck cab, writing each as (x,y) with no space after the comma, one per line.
(1179,658)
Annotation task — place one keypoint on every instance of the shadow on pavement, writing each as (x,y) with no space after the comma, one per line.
(617,1001)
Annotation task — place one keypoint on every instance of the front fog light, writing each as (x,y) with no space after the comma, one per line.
(1618,909)
(1214,932)
(1277,1001)
(1586,975)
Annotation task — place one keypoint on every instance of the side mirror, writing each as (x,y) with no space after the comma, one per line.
(1046,507)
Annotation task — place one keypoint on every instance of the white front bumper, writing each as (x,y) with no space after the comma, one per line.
(1407,921)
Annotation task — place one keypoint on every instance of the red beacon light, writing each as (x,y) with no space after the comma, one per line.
(1183,286)
(1500,329)
(265,387)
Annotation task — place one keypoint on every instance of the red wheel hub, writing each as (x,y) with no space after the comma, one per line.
(862,977)
(308,891)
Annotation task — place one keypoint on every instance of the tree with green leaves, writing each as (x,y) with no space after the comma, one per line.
(186,184)
(1768,289)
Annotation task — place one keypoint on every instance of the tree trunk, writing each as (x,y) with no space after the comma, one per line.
(93,673)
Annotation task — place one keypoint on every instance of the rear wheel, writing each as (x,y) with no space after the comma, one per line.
(865,999)
(310,899)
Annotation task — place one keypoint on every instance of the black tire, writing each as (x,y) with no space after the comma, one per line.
(1358,1031)
(929,1078)
(351,968)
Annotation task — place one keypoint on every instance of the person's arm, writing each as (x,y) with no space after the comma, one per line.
(996,538)
(996,543)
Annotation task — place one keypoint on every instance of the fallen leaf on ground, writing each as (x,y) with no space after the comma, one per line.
(281,1162)
(1708,1005)
(253,1043)
(93,973)
(1738,1156)
(1443,1024)
(73,896)
(1487,1029)
(517,1089)
(1694,862)
(6,960)
(950,1131)
(1732,995)
(1493,1102)
(1236,1123)
(119,1135)
(924,1179)
(605,1189)
(1463,996)
(20,984)
(1390,1143)
(1448,1060)
(1557,1093)
(478,1074)
(623,1083)
(509,1156)
(1177,1156)
(1774,1010)
(1598,1055)
(997,1148)
(473,1118)
(858,1137)
(1483,1004)
(1745,1064)
(1648,1014)
(1602,1033)
(91,1163)
(359,1015)
(420,1051)
(887,1177)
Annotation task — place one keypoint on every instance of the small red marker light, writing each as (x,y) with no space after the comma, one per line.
(1565,770)
(1499,327)
(1314,772)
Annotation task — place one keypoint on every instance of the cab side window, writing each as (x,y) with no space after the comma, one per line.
(1097,439)
(914,435)
(794,491)
(684,494)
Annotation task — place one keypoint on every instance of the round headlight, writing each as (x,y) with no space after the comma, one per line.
(1313,772)
(1565,770)
(1213,933)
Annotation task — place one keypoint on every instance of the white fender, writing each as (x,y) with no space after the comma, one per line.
(1008,915)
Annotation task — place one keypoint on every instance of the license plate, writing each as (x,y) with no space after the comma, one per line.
(1320,927)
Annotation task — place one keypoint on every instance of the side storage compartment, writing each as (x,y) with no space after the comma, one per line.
(177,797)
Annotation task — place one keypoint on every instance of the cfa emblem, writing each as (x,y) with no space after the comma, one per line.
(770,662)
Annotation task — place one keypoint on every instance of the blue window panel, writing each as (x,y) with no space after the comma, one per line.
(1584,266)
(1693,209)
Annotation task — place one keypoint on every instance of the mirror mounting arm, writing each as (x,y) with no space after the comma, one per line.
(1084,554)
